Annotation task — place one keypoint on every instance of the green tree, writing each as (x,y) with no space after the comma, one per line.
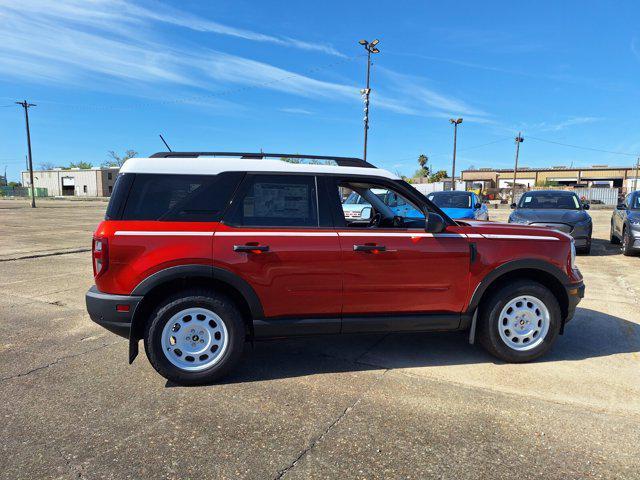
(82,165)
(438,176)
(115,160)
(423,171)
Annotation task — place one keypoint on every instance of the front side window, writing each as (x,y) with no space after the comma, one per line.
(634,201)
(381,207)
(276,201)
(549,200)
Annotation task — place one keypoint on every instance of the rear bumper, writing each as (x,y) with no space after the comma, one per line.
(102,308)
(575,293)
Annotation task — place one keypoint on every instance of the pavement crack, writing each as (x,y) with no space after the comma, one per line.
(58,360)
(325,432)
(40,255)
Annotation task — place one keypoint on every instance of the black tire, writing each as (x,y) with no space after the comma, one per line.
(585,250)
(488,320)
(613,239)
(626,243)
(217,303)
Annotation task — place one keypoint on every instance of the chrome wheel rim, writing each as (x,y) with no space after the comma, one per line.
(524,323)
(194,339)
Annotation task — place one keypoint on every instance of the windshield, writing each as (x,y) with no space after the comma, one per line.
(549,200)
(355,199)
(635,202)
(451,200)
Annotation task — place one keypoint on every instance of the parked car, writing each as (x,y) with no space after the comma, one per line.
(557,209)
(625,224)
(198,254)
(460,205)
(354,205)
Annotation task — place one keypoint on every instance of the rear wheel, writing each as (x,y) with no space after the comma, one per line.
(195,337)
(519,322)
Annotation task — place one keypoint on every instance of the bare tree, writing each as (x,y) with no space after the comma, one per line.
(47,166)
(115,160)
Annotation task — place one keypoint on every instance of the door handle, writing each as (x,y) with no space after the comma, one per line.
(369,248)
(251,248)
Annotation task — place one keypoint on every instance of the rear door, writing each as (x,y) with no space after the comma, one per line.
(399,269)
(278,239)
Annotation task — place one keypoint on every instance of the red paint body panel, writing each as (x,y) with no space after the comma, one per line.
(315,272)
(132,258)
(418,274)
(300,276)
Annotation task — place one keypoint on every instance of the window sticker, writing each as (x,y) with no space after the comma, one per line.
(280,200)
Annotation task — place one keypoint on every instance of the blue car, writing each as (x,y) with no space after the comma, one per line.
(460,205)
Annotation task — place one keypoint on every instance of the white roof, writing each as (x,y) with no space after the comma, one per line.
(213,166)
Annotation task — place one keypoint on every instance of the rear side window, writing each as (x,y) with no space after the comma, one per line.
(276,201)
(119,196)
(180,198)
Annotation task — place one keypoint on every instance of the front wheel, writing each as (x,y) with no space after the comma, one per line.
(626,242)
(519,322)
(194,337)
(613,239)
(586,250)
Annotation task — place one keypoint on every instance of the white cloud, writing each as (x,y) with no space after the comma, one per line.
(123,14)
(296,111)
(561,125)
(113,45)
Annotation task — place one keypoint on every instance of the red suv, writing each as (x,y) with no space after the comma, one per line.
(200,252)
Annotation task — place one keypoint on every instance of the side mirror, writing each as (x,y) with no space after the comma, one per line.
(365,213)
(513,205)
(478,205)
(621,206)
(434,223)
(586,206)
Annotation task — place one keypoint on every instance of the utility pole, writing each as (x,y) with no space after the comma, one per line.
(370,48)
(635,180)
(455,124)
(519,140)
(26,106)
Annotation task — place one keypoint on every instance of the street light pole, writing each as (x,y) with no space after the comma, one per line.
(455,123)
(370,48)
(26,106)
(635,180)
(519,140)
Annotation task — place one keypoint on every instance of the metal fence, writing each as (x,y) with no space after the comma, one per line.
(22,192)
(604,196)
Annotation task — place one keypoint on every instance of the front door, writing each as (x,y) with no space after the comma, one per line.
(281,242)
(391,265)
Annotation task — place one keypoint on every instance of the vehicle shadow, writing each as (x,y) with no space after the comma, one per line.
(601,247)
(590,334)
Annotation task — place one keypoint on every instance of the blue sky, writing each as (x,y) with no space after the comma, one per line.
(285,76)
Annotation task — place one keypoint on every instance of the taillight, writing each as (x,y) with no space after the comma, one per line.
(100,251)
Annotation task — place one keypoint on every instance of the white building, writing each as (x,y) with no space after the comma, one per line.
(92,182)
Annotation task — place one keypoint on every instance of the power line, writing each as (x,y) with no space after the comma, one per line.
(584,148)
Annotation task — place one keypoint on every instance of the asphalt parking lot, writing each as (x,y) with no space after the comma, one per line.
(379,406)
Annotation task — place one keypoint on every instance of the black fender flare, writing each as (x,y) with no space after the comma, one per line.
(510,266)
(191,271)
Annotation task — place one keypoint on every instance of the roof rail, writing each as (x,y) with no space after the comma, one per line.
(341,161)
